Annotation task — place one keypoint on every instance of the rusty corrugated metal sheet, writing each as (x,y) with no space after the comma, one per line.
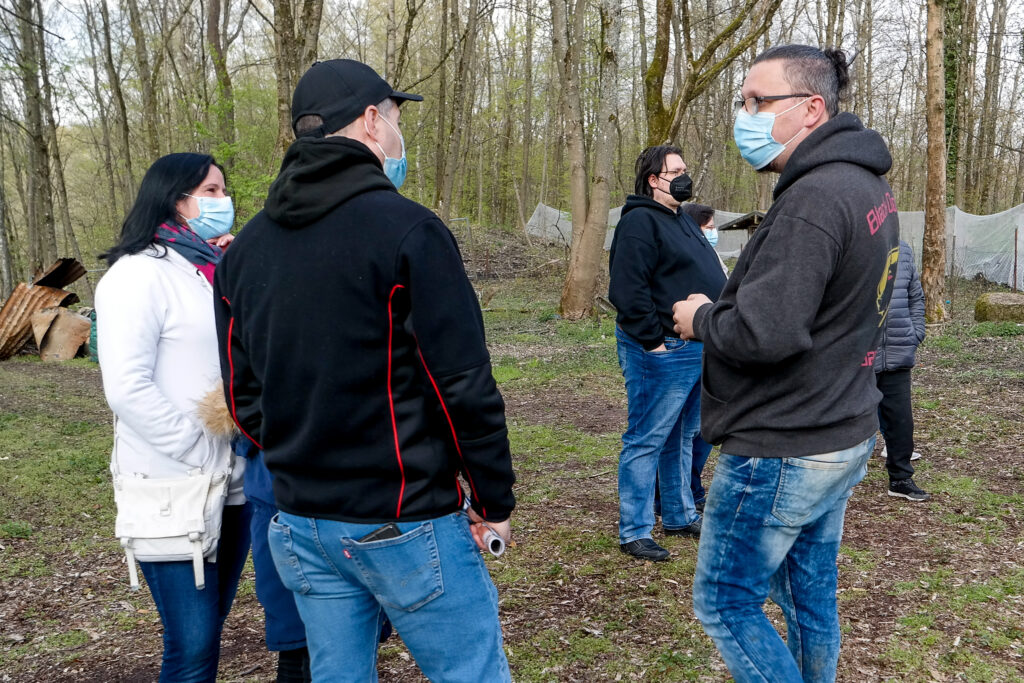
(16,315)
(61,274)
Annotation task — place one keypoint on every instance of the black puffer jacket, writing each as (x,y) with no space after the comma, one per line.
(904,325)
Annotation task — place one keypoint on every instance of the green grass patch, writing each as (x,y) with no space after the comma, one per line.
(972,495)
(945,342)
(51,469)
(66,640)
(15,529)
(1003,328)
(860,560)
(543,444)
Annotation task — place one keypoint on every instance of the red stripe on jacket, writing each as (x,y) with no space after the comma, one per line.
(455,437)
(391,401)
(231,383)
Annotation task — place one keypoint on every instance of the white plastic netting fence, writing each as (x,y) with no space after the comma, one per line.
(975,245)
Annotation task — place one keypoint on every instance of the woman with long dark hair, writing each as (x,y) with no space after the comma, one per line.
(181,511)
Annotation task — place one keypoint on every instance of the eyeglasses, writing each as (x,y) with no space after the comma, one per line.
(751,104)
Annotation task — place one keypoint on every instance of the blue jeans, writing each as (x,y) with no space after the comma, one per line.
(283,625)
(701,451)
(431,582)
(772,528)
(663,402)
(193,618)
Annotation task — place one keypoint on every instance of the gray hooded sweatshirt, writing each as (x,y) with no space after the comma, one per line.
(789,346)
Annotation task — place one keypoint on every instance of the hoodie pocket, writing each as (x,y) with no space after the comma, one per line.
(718,383)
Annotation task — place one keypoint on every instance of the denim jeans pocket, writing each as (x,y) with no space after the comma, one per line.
(671,344)
(402,572)
(825,461)
(804,483)
(279,537)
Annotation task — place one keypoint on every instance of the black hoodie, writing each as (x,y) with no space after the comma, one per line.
(658,257)
(789,346)
(352,348)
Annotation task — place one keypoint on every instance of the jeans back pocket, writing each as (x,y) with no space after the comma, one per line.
(286,560)
(403,572)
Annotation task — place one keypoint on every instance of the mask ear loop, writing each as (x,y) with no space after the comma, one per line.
(182,216)
(668,192)
(374,136)
(786,143)
(401,138)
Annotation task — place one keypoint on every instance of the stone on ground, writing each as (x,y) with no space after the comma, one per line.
(998,306)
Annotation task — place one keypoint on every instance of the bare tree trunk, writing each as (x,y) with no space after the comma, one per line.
(566,55)
(589,203)
(965,84)
(461,100)
(441,149)
(525,195)
(933,254)
(309,20)
(411,10)
(391,33)
(43,238)
(102,111)
(224,108)
(295,49)
(114,80)
(1006,134)
(6,265)
(50,128)
(834,30)
(146,77)
(19,174)
(285,63)
(990,106)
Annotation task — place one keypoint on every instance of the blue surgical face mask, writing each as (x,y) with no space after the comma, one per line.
(712,236)
(753,135)
(216,216)
(394,169)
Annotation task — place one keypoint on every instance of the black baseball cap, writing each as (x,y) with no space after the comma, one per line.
(338,91)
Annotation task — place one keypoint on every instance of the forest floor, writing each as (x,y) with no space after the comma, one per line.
(928,592)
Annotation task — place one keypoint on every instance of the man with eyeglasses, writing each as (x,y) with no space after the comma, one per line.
(789,388)
(658,255)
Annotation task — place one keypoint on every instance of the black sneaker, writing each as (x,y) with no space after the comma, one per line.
(700,506)
(906,488)
(692,529)
(645,549)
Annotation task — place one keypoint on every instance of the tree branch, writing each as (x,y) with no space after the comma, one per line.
(30,22)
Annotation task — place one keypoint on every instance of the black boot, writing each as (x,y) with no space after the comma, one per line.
(293,666)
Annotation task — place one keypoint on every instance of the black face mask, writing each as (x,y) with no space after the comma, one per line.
(681,188)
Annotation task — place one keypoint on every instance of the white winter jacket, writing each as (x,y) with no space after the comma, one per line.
(158,355)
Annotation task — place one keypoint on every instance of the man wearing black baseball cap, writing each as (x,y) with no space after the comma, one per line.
(353,354)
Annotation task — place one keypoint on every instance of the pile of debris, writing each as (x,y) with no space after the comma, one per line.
(39,310)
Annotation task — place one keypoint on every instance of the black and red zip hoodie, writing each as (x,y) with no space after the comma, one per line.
(352,348)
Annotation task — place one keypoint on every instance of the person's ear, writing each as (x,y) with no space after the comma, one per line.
(652,180)
(816,111)
(370,115)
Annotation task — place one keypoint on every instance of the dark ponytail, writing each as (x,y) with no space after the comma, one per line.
(841,63)
(165,182)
